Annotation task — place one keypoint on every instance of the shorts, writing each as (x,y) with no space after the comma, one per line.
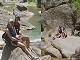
(8,40)
(14,43)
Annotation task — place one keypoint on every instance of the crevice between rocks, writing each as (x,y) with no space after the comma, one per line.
(56,5)
(58,48)
(47,53)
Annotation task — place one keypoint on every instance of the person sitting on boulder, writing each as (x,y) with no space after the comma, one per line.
(59,33)
(17,27)
(10,37)
(64,32)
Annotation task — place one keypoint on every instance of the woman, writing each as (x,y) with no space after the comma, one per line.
(64,32)
(11,39)
(17,27)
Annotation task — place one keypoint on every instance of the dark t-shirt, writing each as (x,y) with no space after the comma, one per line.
(17,27)
(7,38)
(60,31)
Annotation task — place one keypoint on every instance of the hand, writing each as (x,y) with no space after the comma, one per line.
(20,40)
(14,39)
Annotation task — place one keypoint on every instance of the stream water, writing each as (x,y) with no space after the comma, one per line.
(35,35)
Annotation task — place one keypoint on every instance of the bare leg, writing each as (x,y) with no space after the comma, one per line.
(63,35)
(23,47)
(55,36)
(27,41)
(59,36)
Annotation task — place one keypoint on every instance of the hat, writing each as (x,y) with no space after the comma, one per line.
(11,20)
(17,15)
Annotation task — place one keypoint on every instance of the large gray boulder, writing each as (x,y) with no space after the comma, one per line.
(67,46)
(53,52)
(37,50)
(4,18)
(52,3)
(48,49)
(18,54)
(12,53)
(6,52)
(76,56)
(36,46)
(21,8)
(61,14)
(57,13)
(25,16)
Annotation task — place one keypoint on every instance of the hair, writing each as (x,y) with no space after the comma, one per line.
(17,27)
(15,21)
(60,27)
(10,29)
(64,28)
(17,17)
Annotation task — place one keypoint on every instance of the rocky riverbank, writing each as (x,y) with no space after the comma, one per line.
(17,54)
(60,48)
(54,14)
(25,16)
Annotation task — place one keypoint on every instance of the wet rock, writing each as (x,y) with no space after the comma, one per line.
(21,8)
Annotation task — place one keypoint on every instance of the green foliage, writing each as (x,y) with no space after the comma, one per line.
(39,3)
(76,3)
(30,0)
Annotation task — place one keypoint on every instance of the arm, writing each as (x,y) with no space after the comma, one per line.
(20,33)
(18,30)
(8,33)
